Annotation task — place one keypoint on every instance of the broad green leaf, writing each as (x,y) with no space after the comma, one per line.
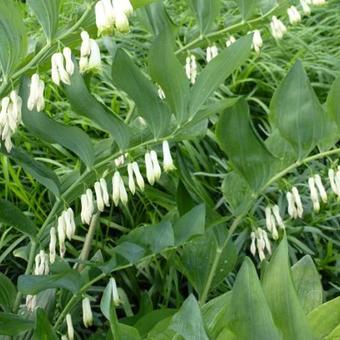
(8,293)
(325,318)
(156,18)
(217,314)
(12,216)
(247,8)
(333,103)
(13,324)
(307,283)
(169,74)
(154,238)
(130,251)
(47,12)
(297,112)
(251,317)
(206,12)
(190,225)
(128,77)
(226,334)
(33,284)
(13,40)
(127,332)
(217,71)
(188,321)
(141,3)
(239,140)
(282,298)
(37,170)
(72,138)
(43,329)
(335,334)
(148,321)
(206,260)
(84,104)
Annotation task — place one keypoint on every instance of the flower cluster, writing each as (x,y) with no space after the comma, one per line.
(260,243)
(191,68)
(10,118)
(36,97)
(90,59)
(113,14)
(62,67)
(212,52)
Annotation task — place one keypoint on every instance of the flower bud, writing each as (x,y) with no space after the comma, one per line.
(121,21)
(122,192)
(52,245)
(61,229)
(293,15)
(230,41)
(156,167)
(68,60)
(138,175)
(276,213)
(87,312)
(70,329)
(85,48)
(105,194)
(252,245)
(168,163)
(321,188)
(132,185)
(257,41)
(99,196)
(298,203)
(277,27)
(150,174)
(305,7)
(116,188)
(114,290)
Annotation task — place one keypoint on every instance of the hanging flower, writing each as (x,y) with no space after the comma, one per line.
(293,15)
(305,7)
(61,72)
(168,163)
(212,52)
(102,195)
(277,27)
(52,245)
(257,41)
(230,41)
(87,207)
(90,59)
(314,194)
(70,329)
(114,291)
(36,97)
(138,175)
(87,312)
(191,68)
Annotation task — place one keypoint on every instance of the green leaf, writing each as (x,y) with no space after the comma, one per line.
(325,318)
(282,298)
(43,329)
(8,293)
(33,284)
(188,321)
(13,39)
(251,317)
(190,225)
(154,238)
(169,74)
(251,158)
(206,260)
(217,314)
(37,170)
(307,283)
(140,3)
(206,12)
(247,8)
(128,77)
(297,112)
(12,216)
(333,103)
(12,324)
(72,138)
(47,12)
(217,71)
(84,104)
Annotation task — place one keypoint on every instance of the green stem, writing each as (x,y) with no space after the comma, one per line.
(234,28)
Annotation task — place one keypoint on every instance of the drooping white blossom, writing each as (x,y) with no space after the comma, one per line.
(90,58)
(319,2)
(230,41)
(36,97)
(61,230)
(293,15)
(70,223)
(321,188)
(168,163)
(87,207)
(305,7)
(114,291)
(257,41)
(298,202)
(132,185)
(70,329)
(211,53)
(31,302)
(260,243)
(277,27)
(161,93)
(253,244)
(295,208)
(58,70)
(334,186)
(41,264)
(87,312)
(118,189)
(119,161)
(69,65)
(138,175)
(314,194)
(52,244)
(150,174)
(191,68)
(278,218)
(156,167)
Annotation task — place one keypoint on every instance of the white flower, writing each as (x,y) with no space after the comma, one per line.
(168,163)
(115,188)
(70,329)
(314,194)
(61,229)
(121,20)
(230,41)
(52,245)
(122,192)
(41,264)
(125,6)
(156,167)
(298,203)
(277,27)
(260,245)
(105,194)
(291,205)
(86,206)
(36,96)
(257,41)
(318,2)
(253,245)
(114,291)
(104,17)
(59,72)
(321,188)
(331,176)
(132,185)
(87,312)
(337,180)
(293,15)
(99,196)
(150,174)
(90,58)
(276,213)
(191,68)
(119,160)
(85,47)
(270,222)
(31,302)
(305,7)
(266,241)
(70,230)
(69,65)
(161,93)
(212,52)
(138,175)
